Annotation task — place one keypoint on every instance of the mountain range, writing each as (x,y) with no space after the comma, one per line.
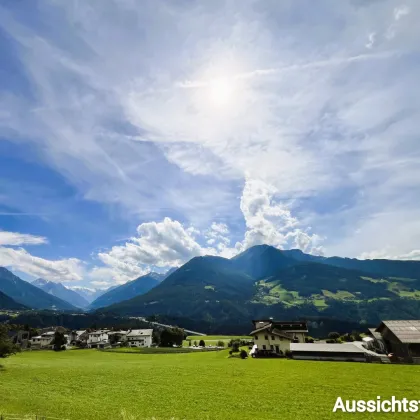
(265,281)
(60,291)
(90,294)
(262,281)
(128,290)
(29,295)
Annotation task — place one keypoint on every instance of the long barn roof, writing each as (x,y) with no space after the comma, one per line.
(405,331)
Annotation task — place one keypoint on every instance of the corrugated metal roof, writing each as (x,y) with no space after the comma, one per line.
(405,331)
(327,348)
(375,334)
(135,333)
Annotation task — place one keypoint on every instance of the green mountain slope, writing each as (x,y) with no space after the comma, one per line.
(7,302)
(264,281)
(318,283)
(202,282)
(29,295)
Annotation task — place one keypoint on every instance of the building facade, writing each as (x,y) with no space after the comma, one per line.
(140,338)
(276,336)
(401,338)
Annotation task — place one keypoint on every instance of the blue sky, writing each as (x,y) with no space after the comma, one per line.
(135,135)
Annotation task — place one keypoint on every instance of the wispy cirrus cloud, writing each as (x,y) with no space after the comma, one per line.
(16,238)
(169,111)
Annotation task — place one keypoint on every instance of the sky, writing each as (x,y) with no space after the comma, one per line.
(135,135)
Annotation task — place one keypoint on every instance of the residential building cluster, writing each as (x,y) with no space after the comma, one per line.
(391,341)
(98,339)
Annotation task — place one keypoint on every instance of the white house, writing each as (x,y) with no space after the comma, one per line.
(276,336)
(42,341)
(117,337)
(139,338)
(98,339)
(75,336)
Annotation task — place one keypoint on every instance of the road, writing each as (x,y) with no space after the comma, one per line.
(165,325)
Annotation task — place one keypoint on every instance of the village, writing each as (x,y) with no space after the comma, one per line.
(394,341)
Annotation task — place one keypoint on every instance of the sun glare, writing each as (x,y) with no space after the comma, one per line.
(221,92)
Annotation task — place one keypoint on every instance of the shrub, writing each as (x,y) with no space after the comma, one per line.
(288,354)
(243,354)
(220,343)
(330,341)
(202,343)
(235,346)
(333,335)
(230,352)
(356,336)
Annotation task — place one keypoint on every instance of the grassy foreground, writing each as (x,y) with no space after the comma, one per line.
(89,384)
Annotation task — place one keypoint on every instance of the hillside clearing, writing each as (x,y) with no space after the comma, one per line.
(89,384)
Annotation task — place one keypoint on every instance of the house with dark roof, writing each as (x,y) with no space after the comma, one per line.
(276,336)
(401,338)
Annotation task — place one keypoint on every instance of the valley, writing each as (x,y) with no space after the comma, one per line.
(219,295)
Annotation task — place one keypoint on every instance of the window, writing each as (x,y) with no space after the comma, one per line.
(264,347)
(266,337)
(256,337)
(273,338)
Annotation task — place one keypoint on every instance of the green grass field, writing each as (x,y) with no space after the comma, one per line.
(90,384)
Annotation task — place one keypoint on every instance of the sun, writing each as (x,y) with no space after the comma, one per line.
(221,92)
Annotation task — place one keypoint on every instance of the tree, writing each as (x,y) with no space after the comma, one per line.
(356,336)
(202,343)
(7,348)
(220,343)
(333,335)
(243,354)
(171,336)
(235,346)
(59,341)
(156,338)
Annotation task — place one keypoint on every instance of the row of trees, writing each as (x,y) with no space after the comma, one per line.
(7,348)
(335,337)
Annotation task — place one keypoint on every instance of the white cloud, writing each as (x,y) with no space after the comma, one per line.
(311,118)
(401,11)
(371,40)
(269,221)
(15,238)
(64,270)
(386,254)
(158,244)
(169,243)
(101,283)
(220,228)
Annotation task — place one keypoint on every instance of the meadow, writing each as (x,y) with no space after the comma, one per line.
(91,384)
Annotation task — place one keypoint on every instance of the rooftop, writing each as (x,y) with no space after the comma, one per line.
(327,348)
(405,331)
(133,333)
